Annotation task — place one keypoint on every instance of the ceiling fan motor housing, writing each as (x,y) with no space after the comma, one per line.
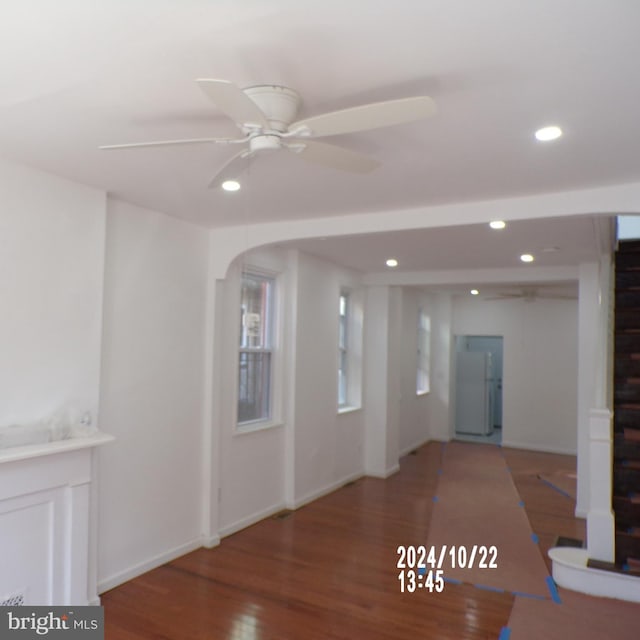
(263,142)
(279,104)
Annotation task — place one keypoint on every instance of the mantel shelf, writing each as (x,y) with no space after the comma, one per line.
(13,454)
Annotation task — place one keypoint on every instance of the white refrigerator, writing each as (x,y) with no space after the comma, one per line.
(474,406)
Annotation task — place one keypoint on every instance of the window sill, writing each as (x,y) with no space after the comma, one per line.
(348,409)
(252,427)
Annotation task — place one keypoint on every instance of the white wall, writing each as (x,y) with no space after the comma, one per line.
(328,445)
(152,390)
(51,272)
(540,366)
(376,349)
(311,449)
(414,409)
(251,463)
(442,394)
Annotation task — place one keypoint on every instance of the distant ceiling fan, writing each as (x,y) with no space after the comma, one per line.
(265,114)
(529,294)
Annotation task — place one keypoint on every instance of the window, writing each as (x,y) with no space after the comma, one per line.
(343,346)
(256,348)
(350,344)
(424,355)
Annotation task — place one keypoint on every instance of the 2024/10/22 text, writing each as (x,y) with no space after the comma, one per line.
(420,569)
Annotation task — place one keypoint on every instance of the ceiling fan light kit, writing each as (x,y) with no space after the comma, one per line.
(265,114)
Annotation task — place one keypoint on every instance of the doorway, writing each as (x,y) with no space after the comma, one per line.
(478,376)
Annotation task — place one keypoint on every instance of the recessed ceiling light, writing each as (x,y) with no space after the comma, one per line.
(392,262)
(548,133)
(527,257)
(231,185)
(497,224)
(474,292)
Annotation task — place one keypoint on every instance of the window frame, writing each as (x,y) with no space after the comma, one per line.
(423,364)
(269,347)
(350,351)
(343,348)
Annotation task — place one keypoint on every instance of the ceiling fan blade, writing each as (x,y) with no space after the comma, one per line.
(232,168)
(163,143)
(335,157)
(230,99)
(368,116)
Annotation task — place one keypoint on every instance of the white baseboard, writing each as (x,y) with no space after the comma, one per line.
(209,542)
(318,493)
(243,523)
(417,445)
(538,447)
(386,473)
(152,563)
(391,470)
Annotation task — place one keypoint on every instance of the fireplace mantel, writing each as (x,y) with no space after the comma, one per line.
(47,542)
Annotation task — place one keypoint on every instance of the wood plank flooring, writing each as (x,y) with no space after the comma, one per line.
(328,571)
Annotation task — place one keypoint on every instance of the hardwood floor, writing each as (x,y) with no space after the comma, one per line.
(328,571)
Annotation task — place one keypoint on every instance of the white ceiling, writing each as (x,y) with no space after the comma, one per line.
(77,74)
(556,242)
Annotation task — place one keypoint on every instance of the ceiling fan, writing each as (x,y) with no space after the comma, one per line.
(265,114)
(530,294)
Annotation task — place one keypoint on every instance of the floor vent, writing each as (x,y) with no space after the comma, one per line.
(15,600)
(281,515)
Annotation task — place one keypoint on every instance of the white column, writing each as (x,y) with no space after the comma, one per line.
(211,412)
(291,329)
(588,324)
(380,382)
(600,523)
(394,364)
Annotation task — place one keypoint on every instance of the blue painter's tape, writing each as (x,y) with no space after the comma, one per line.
(522,594)
(505,633)
(422,571)
(535,538)
(626,567)
(486,587)
(452,581)
(551,585)
(558,489)
(439,472)
(521,503)
(435,498)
